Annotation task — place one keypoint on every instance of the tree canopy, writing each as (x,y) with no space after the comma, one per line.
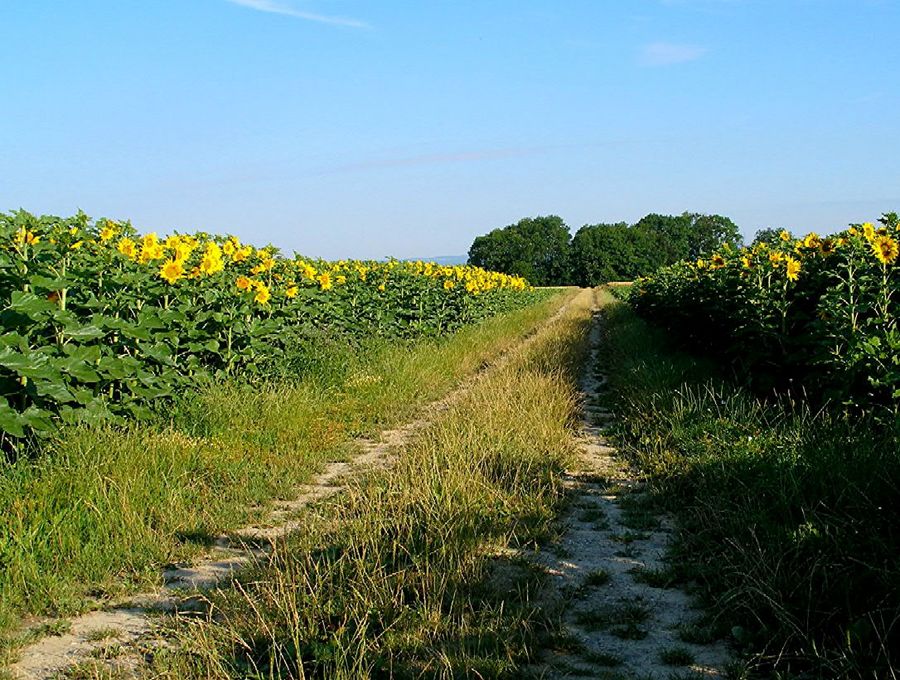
(536,248)
(542,250)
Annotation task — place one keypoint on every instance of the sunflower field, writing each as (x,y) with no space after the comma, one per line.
(99,321)
(811,315)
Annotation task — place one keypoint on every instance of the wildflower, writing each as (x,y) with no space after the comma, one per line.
(885,249)
(291,292)
(243,283)
(128,248)
(171,271)
(793,268)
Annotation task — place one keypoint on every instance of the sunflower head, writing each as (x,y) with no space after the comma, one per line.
(792,268)
(171,271)
(885,248)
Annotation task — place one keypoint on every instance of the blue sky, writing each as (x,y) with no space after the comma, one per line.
(351,128)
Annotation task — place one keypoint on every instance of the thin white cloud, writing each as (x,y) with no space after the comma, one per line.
(278,8)
(664,54)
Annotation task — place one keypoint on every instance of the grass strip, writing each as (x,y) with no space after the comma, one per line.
(104,508)
(410,573)
(789,519)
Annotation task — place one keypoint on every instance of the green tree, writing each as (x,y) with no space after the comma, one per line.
(769,235)
(536,248)
(608,252)
(687,236)
(709,232)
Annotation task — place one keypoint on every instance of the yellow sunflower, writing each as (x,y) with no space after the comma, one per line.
(171,271)
(885,249)
(793,268)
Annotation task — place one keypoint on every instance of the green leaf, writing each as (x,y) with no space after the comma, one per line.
(84,333)
(113,368)
(38,419)
(33,365)
(54,390)
(79,369)
(29,304)
(10,421)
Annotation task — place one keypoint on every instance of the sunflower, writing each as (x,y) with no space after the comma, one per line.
(107,232)
(885,249)
(26,237)
(128,248)
(243,283)
(717,262)
(793,268)
(171,271)
(291,292)
(262,293)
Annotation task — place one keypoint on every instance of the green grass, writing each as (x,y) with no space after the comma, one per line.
(597,577)
(104,508)
(407,578)
(789,519)
(677,656)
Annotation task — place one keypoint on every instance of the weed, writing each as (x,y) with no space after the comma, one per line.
(654,577)
(98,634)
(677,656)
(597,577)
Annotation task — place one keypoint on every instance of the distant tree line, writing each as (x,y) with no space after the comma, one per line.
(543,250)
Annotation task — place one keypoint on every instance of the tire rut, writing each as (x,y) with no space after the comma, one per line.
(130,621)
(607,577)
